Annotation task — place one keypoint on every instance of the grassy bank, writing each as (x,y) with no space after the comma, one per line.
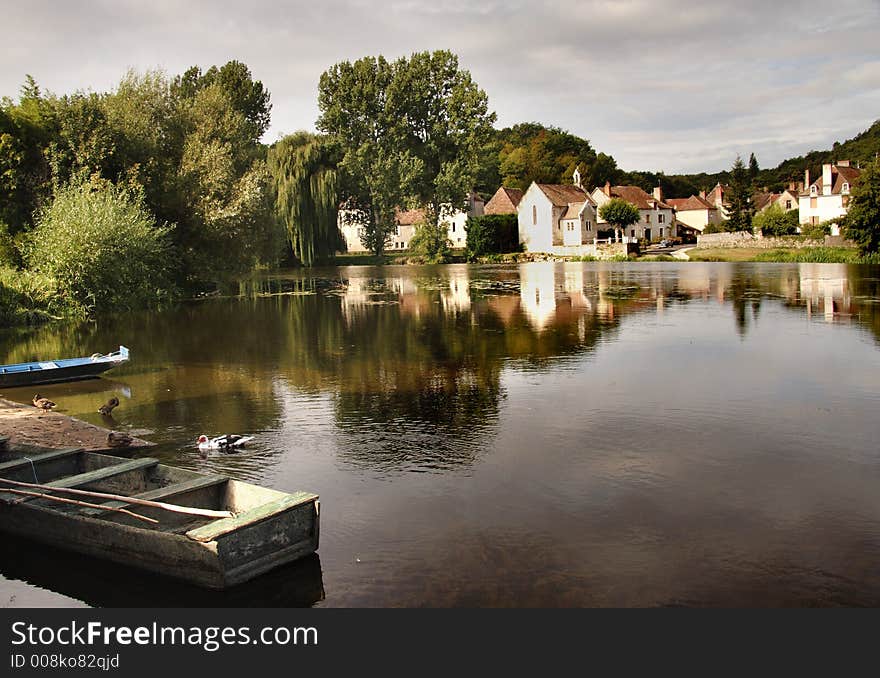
(821,255)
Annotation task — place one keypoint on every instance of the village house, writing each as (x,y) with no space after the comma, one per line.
(827,197)
(406,222)
(694,213)
(787,200)
(656,217)
(556,215)
(505,201)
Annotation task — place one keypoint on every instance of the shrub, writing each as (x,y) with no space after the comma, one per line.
(775,221)
(491,234)
(25,297)
(714,228)
(430,244)
(103,249)
(816,231)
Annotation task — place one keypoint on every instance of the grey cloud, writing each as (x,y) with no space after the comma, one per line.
(660,85)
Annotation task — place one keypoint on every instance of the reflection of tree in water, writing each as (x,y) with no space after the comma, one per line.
(745,291)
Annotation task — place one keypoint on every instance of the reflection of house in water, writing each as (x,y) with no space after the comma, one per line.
(538,292)
(363,292)
(457,298)
(824,288)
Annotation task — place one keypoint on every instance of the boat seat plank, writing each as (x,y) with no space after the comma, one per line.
(16,464)
(217,528)
(161,493)
(104,473)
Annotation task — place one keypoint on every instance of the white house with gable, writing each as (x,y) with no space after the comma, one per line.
(551,216)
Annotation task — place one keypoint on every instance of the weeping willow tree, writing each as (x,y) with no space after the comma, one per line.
(307,192)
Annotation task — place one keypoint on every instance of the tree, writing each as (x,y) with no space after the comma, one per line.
(739,210)
(753,168)
(431,242)
(362,125)
(306,195)
(619,214)
(102,247)
(775,221)
(862,221)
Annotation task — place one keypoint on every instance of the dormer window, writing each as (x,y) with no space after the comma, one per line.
(845,188)
(814,190)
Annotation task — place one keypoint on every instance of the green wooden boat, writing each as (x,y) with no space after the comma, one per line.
(266,528)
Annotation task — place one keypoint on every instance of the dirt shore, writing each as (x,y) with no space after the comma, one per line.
(26,425)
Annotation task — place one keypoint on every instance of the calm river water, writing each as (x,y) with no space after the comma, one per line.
(539,435)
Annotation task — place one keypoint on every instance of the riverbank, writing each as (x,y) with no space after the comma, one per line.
(821,255)
(29,426)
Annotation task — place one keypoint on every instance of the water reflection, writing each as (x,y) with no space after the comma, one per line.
(628,414)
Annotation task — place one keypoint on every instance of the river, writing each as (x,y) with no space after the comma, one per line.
(548,434)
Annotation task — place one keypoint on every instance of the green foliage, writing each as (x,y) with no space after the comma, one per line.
(408,133)
(26,297)
(102,248)
(819,255)
(715,228)
(306,195)
(740,208)
(619,213)
(817,231)
(862,222)
(431,243)
(775,221)
(491,234)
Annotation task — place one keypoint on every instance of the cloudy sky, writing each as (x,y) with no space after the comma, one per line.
(660,85)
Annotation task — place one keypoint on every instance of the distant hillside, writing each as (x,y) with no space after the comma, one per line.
(528,152)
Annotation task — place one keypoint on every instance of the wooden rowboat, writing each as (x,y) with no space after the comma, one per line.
(264,528)
(66,369)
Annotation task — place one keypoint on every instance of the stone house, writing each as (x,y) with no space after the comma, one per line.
(827,197)
(656,216)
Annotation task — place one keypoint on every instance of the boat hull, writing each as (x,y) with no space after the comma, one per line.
(56,375)
(268,529)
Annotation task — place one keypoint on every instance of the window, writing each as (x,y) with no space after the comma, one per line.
(534,215)
(813,202)
(453,227)
(661,232)
(788,204)
(633,233)
(661,218)
(814,190)
(647,218)
(589,225)
(845,187)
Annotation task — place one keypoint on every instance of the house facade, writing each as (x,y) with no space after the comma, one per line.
(827,198)
(656,216)
(556,215)
(406,222)
(695,212)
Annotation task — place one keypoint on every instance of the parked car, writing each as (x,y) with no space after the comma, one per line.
(665,243)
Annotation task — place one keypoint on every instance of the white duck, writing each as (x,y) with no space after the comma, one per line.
(225,442)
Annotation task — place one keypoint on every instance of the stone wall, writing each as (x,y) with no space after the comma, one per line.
(743,239)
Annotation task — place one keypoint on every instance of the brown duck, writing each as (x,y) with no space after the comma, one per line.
(43,403)
(117,439)
(107,407)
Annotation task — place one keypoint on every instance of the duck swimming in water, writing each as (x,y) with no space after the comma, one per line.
(107,407)
(225,442)
(43,403)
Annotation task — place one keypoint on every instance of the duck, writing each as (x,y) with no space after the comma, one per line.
(107,407)
(43,403)
(224,442)
(117,439)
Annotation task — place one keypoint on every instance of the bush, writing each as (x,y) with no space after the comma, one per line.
(430,244)
(775,221)
(714,228)
(25,297)
(103,249)
(816,231)
(492,234)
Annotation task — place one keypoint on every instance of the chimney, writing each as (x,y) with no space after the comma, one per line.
(791,186)
(807,178)
(703,194)
(843,163)
(826,179)
(608,188)
(658,194)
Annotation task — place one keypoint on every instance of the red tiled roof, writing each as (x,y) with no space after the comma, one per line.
(839,175)
(638,197)
(563,194)
(409,217)
(761,200)
(695,202)
(504,201)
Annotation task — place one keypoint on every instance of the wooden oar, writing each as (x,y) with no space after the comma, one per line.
(173,508)
(86,504)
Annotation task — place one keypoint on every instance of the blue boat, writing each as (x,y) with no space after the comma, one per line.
(67,369)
